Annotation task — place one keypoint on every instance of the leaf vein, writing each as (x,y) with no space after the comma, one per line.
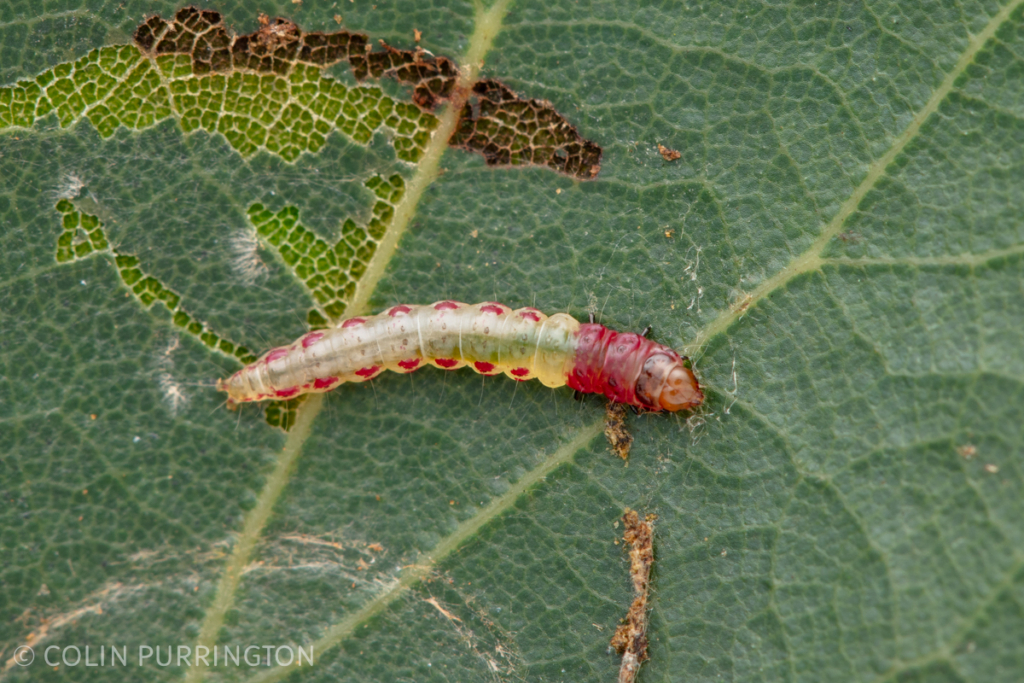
(811,259)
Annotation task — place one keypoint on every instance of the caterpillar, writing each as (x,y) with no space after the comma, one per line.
(489,337)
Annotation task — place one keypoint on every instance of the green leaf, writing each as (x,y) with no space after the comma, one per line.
(839,247)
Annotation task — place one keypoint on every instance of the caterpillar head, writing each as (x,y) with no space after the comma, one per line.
(668,383)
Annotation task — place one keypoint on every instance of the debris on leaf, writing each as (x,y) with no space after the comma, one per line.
(668,154)
(616,431)
(968,451)
(630,639)
(432,601)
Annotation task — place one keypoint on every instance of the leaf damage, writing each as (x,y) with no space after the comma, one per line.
(433,79)
(84,235)
(283,414)
(273,48)
(265,90)
(511,131)
(276,98)
(495,122)
(630,639)
(330,271)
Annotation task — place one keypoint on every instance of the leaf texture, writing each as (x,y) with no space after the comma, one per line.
(839,247)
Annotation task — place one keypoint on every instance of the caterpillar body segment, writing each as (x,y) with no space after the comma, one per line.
(489,337)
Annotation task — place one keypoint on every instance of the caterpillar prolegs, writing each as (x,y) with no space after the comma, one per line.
(489,337)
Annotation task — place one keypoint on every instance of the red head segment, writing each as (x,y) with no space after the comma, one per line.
(631,369)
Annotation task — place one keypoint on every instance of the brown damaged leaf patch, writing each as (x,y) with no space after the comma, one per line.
(280,43)
(506,129)
(511,131)
(274,48)
(630,639)
(433,78)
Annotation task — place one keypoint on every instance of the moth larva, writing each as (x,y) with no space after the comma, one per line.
(489,337)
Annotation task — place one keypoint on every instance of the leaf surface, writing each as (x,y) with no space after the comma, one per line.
(839,247)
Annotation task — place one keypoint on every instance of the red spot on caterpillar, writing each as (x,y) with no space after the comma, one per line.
(324,382)
(492,307)
(352,322)
(410,364)
(520,372)
(286,393)
(401,308)
(530,314)
(483,366)
(368,372)
(275,355)
(312,338)
(446,362)
(445,305)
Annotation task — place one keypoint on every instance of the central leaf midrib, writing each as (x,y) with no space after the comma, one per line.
(487,25)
